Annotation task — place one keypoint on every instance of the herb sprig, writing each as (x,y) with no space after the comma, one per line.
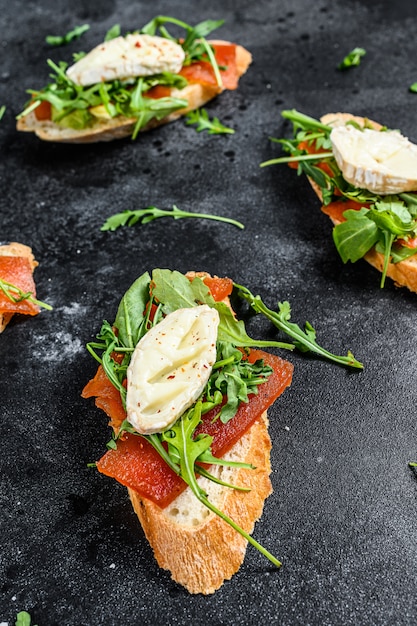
(2,111)
(144,216)
(62,40)
(213,126)
(304,340)
(352,59)
(387,222)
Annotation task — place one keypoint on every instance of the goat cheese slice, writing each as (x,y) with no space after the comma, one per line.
(169,368)
(127,57)
(384,162)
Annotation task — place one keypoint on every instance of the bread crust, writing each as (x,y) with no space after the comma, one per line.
(15,249)
(201,558)
(117,128)
(404,273)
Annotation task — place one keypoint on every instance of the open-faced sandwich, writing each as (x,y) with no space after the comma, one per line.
(133,83)
(17,287)
(187,391)
(366,178)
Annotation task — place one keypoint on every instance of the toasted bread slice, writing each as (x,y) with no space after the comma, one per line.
(18,250)
(199,549)
(197,96)
(404,274)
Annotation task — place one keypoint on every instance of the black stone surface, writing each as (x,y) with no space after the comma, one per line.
(343,513)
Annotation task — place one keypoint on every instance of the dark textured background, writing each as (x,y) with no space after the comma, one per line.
(343,514)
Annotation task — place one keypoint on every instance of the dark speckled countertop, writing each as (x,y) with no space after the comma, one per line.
(343,514)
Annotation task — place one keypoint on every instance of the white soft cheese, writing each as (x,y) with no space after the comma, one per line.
(384,162)
(127,57)
(170,367)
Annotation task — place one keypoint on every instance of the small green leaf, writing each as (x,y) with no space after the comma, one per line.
(112,33)
(175,291)
(58,40)
(213,126)
(413,88)
(2,111)
(130,316)
(356,236)
(23,619)
(352,59)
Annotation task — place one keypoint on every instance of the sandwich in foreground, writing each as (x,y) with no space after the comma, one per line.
(187,391)
(17,287)
(366,178)
(133,83)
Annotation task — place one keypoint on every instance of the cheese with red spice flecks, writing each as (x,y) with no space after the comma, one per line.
(127,57)
(170,367)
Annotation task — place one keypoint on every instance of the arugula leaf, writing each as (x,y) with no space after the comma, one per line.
(144,216)
(305,122)
(352,59)
(393,217)
(233,331)
(236,378)
(175,291)
(112,33)
(305,340)
(401,253)
(15,294)
(356,236)
(57,40)
(213,126)
(23,619)
(130,319)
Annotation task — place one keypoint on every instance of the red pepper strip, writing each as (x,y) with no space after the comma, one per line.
(202,72)
(107,397)
(17,271)
(220,287)
(159,91)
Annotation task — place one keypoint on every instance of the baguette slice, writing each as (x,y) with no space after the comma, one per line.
(15,249)
(199,549)
(197,96)
(404,274)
